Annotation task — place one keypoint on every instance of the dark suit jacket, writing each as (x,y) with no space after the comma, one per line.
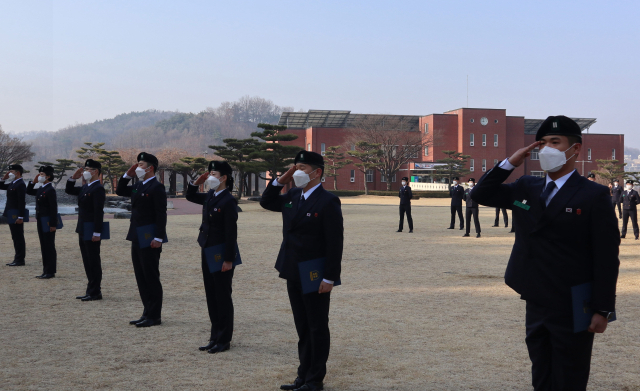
(616,194)
(219,219)
(469,201)
(15,196)
(573,240)
(630,200)
(46,201)
(148,206)
(313,231)
(405,195)
(457,194)
(90,204)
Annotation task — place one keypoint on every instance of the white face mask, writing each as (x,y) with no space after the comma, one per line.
(86,175)
(404,183)
(629,187)
(615,184)
(470,184)
(213,182)
(455,183)
(552,160)
(41,179)
(11,177)
(140,172)
(301,178)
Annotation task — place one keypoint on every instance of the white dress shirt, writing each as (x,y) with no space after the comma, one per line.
(506,165)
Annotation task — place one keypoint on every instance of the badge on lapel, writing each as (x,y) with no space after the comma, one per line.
(578,212)
(288,205)
(569,210)
(522,204)
(315,215)
(308,214)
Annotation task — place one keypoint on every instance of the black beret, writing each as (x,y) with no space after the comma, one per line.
(455,178)
(93,164)
(16,167)
(616,180)
(404,178)
(308,157)
(149,158)
(629,182)
(591,176)
(472,180)
(221,166)
(48,170)
(559,125)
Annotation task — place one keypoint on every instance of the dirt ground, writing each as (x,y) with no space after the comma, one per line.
(421,311)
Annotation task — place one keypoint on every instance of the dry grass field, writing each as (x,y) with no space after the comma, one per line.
(421,311)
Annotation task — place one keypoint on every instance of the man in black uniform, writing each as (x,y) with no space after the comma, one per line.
(630,199)
(16,190)
(46,206)
(566,235)
(505,217)
(616,196)
(471,209)
(312,228)
(91,199)
(405,204)
(456,192)
(148,206)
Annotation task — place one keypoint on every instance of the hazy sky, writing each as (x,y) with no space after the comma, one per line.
(64,62)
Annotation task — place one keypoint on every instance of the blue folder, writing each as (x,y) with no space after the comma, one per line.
(12,216)
(146,234)
(45,223)
(311,275)
(215,257)
(88,228)
(581,296)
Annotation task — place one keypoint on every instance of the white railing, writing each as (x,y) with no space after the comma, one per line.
(417,186)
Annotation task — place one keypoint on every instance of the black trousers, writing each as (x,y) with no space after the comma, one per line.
(311,316)
(48,250)
(505,217)
(90,252)
(619,208)
(454,210)
(17,235)
(405,209)
(146,266)
(626,213)
(560,358)
(217,287)
(476,221)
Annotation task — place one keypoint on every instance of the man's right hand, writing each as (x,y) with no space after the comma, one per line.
(201,179)
(77,174)
(286,178)
(5,176)
(132,170)
(518,157)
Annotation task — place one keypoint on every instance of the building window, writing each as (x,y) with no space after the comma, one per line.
(539,174)
(484,140)
(353,175)
(613,154)
(495,162)
(369,175)
(496,121)
(393,178)
(383,178)
(353,147)
(471,120)
(484,165)
(589,154)
(414,154)
(322,146)
(534,154)
(426,128)
(471,163)
(471,138)
(426,151)
(309,147)
(495,140)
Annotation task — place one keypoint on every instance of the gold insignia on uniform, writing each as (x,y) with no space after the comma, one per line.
(217,257)
(314,275)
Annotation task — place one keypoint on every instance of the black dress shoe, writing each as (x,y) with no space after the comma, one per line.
(621,236)
(399,230)
(465,235)
(310,387)
(410,231)
(478,235)
(495,226)
(207,346)
(149,323)
(461,228)
(92,298)
(506,225)
(451,228)
(296,384)
(46,276)
(219,347)
(14,263)
(142,318)
(512,232)
(81,297)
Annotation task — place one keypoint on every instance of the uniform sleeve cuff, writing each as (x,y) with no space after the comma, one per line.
(96,234)
(125,176)
(327,281)
(276,183)
(72,180)
(506,165)
(158,240)
(19,218)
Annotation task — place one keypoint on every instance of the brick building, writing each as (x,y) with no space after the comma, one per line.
(487,135)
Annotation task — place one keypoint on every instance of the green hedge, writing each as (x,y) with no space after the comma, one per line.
(421,194)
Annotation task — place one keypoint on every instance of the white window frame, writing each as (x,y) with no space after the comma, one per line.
(393,178)
(589,154)
(322,148)
(484,140)
(353,147)
(539,174)
(426,150)
(495,140)
(352,177)
(471,165)
(426,128)
(613,154)
(383,179)
(484,165)
(309,147)
(535,154)
(370,176)
(471,140)
(495,162)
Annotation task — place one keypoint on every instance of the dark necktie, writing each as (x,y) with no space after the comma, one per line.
(547,192)
(301,201)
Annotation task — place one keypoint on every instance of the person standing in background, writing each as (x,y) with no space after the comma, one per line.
(46,206)
(405,204)
(456,192)
(16,190)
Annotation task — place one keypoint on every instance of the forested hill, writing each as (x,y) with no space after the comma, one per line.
(154,130)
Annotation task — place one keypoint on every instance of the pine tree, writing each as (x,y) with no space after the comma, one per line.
(60,168)
(456,165)
(369,155)
(333,161)
(275,157)
(237,154)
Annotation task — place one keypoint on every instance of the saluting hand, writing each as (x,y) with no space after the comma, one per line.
(598,324)
(77,174)
(132,170)
(286,178)
(518,157)
(5,176)
(201,179)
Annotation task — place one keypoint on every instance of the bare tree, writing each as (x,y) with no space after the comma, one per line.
(13,150)
(398,137)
